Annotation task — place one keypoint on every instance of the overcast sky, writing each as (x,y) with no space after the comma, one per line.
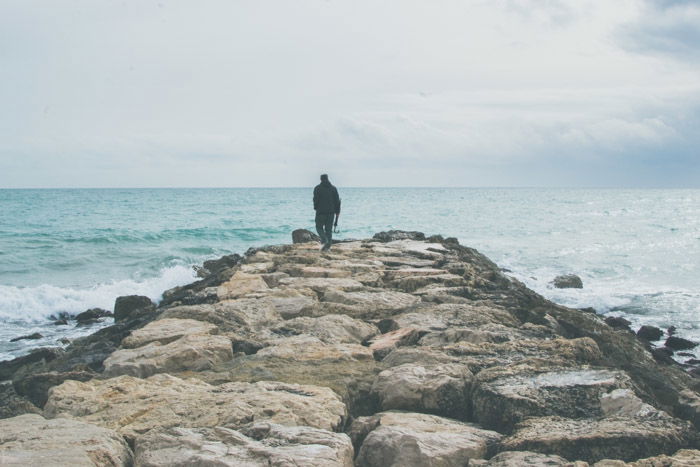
(134,93)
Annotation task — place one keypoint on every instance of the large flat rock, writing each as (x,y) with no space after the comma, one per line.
(31,440)
(330,328)
(441,389)
(503,396)
(591,440)
(195,352)
(164,331)
(398,439)
(256,445)
(241,284)
(133,406)
(348,369)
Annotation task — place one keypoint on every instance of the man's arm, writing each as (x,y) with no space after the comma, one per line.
(315,198)
(337,205)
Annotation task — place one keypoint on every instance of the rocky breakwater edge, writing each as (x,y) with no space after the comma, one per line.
(399,350)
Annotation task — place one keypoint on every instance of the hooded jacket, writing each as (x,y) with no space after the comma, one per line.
(326,199)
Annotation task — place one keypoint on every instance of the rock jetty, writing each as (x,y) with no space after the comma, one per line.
(399,350)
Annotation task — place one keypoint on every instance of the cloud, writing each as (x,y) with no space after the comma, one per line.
(665,27)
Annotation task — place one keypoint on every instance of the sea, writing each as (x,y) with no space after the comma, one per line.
(68,250)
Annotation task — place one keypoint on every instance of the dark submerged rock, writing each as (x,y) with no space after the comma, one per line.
(35,387)
(650,333)
(304,236)
(92,315)
(34,336)
(392,235)
(678,343)
(618,322)
(12,404)
(35,357)
(128,307)
(568,281)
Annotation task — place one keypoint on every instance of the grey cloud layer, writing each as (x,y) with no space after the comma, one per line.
(142,93)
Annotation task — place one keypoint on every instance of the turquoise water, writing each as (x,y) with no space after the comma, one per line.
(638,251)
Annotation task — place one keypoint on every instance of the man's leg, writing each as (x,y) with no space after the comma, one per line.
(329,229)
(320,226)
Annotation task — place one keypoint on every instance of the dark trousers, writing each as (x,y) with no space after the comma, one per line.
(324,227)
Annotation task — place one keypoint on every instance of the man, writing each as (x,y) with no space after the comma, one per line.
(326,204)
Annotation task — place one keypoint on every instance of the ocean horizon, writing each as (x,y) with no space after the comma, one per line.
(71,249)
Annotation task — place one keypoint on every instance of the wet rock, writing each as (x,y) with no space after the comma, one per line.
(393,439)
(304,236)
(671,330)
(650,333)
(33,336)
(60,322)
(165,331)
(12,404)
(35,386)
(215,266)
(678,343)
(504,396)
(260,444)
(35,358)
(132,306)
(568,281)
(393,235)
(689,407)
(32,440)
(195,352)
(618,322)
(92,315)
(439,389)
(591,440)
(134,406)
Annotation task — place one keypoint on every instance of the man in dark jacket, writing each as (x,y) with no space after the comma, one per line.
(327,205)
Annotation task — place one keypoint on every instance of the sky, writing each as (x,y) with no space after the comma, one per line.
(263,93)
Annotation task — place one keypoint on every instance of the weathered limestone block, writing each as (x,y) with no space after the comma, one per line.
(256,445)
(257,267)
(322,284)
(449,315)
(384,344)
(505,395)
(317,271)
(440,389)
(194,352)
(419,356)
(394,274)
(31,440)
(348,369)
(415,282)
(373,301)
(525,459)
(165,331)
(330,328)
(417,248)
(559,351)
(133,406)
(591,440)
(624,403)
(683,458)
(397,439)
(240,285)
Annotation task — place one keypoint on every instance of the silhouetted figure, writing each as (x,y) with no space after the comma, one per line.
(327,206)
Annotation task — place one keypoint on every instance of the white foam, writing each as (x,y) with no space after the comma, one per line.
(37,303)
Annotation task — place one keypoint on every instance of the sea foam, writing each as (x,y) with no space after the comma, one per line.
(33,304)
